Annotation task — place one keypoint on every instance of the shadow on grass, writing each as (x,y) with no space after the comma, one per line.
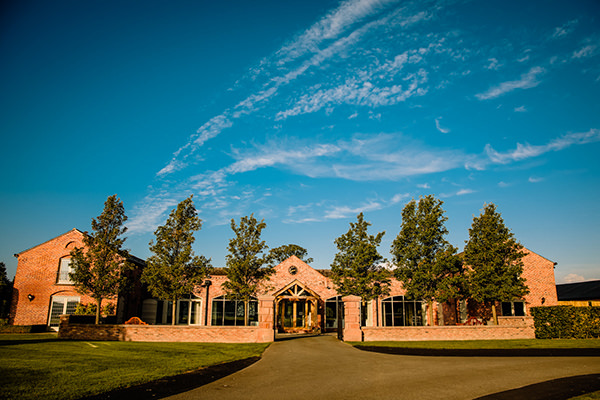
(31,341)
(176,384)
(556,389)
(593,352)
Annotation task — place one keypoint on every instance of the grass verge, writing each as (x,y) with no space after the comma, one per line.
(38,366)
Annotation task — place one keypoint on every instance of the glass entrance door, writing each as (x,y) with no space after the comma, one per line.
(293,314)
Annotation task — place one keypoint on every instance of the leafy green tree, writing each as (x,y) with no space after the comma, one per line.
(282,253)
(494,258)
(173,270)
(99,270)
(5,292)
(247,264)
(425,262)
(357,267)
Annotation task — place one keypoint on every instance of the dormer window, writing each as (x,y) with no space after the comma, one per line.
(63,271)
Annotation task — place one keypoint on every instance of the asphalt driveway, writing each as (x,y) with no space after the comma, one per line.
(324,368)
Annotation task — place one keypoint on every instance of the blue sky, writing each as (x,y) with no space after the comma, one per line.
(304,113)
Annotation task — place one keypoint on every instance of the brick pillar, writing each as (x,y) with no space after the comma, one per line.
(266,317)
(352,330)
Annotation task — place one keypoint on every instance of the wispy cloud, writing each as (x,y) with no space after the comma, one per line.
(521,109)
(324,211)
(527,81)
(494,64)
(585,52)
(564,29)
(439,126)
(524,151)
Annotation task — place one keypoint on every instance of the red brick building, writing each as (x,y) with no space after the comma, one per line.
(305,299)
(43,290)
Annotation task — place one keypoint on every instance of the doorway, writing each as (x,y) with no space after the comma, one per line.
(297,310)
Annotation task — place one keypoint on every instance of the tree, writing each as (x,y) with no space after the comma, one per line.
(5,292)
(357,267)
(494,258)
(247,264)
(173,270)
(425,262)
(282,253)
(99,270)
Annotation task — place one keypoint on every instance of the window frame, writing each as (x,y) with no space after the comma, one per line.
(400,308)
(228,314)
(63,277)
(512,308)
(54,318)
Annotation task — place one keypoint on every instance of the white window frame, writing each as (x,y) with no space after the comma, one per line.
(65,300)
(63,276)
(193,303)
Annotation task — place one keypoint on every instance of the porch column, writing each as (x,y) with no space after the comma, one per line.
(352,330)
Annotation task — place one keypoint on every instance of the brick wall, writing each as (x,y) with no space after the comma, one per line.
(479,332)
(37,274)
(165,333)
(539,275)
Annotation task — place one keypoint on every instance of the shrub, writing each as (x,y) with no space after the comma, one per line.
(90,309)
(566,322)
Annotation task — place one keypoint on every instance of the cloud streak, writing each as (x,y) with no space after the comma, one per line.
(527,81)
(525,151)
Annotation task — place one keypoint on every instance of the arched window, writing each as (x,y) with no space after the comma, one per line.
(64,268)
(398,311)
(228,312)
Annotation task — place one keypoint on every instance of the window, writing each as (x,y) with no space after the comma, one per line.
(61,305)
(513,308)
(160,312)
(63,271)
(397,311)
(188,312)
(227,312)
(332,309)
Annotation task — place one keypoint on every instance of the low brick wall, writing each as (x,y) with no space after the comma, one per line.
(165,333)
(480,332)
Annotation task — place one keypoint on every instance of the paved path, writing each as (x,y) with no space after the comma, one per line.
(324,368)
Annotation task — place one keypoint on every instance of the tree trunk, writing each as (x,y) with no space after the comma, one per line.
(98,308)
(246,316)
(174,311)
(430,307)
(495,316)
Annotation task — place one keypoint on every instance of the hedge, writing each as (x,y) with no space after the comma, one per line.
(566,322)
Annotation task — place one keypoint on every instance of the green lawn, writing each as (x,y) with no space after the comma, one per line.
(34,366)
(491,344)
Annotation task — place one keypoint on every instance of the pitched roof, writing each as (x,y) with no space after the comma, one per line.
(589,290)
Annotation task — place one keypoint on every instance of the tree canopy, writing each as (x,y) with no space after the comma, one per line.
(425,261)
(174,270)
(495,260)
(248,265)
(5,292)
(357,267)
(282,253)
(98,270)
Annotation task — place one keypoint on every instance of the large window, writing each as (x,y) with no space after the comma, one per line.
(229,312)
(63,271)
(188,312)
(332,310)
(513,308)
(398,311)
(61,305)
(160,312)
